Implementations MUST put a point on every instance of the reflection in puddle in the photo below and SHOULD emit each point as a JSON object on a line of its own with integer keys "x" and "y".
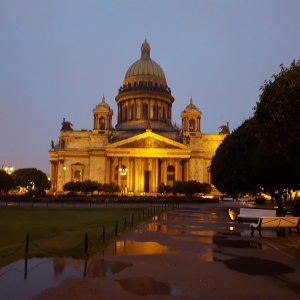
{"x": 145, "y": 285}
{"x": 257, "y": 266}
{"x": 205, "y": 240}
{"x": 163, "y": 228}
{"x": 135, "y": 248}
{"x": 167, "y": 217}
{"x": 105, "y": 268}
{"x": 205, "y": 235}
{"x": 25, "y": 279}
{"x": 224, "y": 242}
{"x": 208, "y": 256}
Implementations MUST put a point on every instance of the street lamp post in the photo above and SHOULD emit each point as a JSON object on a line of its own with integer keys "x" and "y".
{"x": 123, "y": 173}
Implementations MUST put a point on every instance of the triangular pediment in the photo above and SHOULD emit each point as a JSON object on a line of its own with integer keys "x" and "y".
{"x": 148, "y": 140}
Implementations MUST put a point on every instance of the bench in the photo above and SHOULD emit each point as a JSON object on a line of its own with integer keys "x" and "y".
{"x": 271, "y": 222}
{"x": 253, "y": 213}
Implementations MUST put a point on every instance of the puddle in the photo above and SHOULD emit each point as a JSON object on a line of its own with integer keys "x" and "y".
{"x": 205, "y": 257}
{"x": 163, "y": 228}
{"x": 105, "y": 268}
{"x": 167, "y": 217}
{"x": 25, "y": 279}
{"x": 143, "y": 286}
{"x": 135, "y": 248}
{"x": 257, "y": 267}
{"x": 222, "y": 241}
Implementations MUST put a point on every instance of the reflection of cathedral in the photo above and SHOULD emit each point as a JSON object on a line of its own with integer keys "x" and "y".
{"x": 145, "y": 148}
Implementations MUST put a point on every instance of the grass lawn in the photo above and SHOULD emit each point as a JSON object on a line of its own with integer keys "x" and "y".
{"x": 60, "y": 231}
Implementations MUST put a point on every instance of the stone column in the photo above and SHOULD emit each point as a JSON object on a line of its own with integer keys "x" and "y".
{"x": 131, "y": 174}
{"x": 155, "y": 175}
{"x": 119, "y": 175}
{"x": 108, "y": 170}
{"x": 164, "y": 171}
{"x": 188, "y": 170}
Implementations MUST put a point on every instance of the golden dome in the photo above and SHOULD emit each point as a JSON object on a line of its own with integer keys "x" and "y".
{"x": 145, "y": 70}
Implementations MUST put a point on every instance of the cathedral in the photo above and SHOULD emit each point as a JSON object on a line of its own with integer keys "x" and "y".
{"x": 145, "y": 148}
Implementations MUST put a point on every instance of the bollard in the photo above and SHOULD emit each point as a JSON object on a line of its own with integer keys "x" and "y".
{"x": 132, "y": 220}
{"x": 85, "y": 268}
{"x": 86, "y": 243}
{"x": 103, "y": 234}
{"x": 27, "y": 243}
{"x": 125, "y": 223}
{"x": 116, "y": 229}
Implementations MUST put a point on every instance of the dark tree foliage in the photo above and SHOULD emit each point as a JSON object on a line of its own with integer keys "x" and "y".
{"x": 161, "y": 188}
{"x": 111, "y": 188}
{"x": 6, "y": 182}
{"x": 191, "y": 187}
{"x": 87, "y": 186}
{"x": 34, "y": 180}
{"x": 264, "y": 151}
{"x": 277, "y": 114}
{"x": 232, "y": 168}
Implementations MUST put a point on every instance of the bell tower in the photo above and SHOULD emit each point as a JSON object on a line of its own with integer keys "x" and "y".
{"x": 191, "y": 122}
{"x": 102, "y": 117}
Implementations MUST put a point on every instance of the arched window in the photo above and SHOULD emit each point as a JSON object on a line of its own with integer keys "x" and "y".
{"x": 192, "y": 125}
{"x": 131, "y": 112}
{"x": 154, "y": 112}
{"x": 126, "y": 113}
{"x": 102, "y": 124}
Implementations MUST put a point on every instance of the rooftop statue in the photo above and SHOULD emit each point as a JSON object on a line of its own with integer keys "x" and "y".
{"x": 224, "y": 129}
{"x": 66, "y": 125}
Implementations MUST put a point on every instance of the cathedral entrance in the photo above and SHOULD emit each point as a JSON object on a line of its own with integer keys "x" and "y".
{"x": 147, "y": 182}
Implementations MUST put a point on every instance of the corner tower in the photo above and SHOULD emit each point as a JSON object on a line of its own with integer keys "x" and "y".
{"x": 144, "y": 100}
{"x": 102, "y": 117}
{"x": 191, "y": 122}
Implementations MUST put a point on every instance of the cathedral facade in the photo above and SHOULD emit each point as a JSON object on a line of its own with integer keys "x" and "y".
{"x": 144, "y": 149}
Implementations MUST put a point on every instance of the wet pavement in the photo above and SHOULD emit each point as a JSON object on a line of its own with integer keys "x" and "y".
{"x": 194, "y": 252}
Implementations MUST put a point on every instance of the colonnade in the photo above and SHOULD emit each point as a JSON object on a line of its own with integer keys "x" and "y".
{"x": 144, "y": 109}
{"x": 142, "y": 174}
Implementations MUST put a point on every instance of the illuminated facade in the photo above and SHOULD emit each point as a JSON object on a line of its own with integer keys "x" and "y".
{"x": 144, "y": 149}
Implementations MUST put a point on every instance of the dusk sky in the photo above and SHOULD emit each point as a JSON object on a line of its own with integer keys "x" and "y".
{"x": 59, "y": 57}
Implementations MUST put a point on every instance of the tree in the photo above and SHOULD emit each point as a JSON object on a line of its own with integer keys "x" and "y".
{"x": 34, "y": 180}
{"x": 71, "y": 186}
{"x": 190, "y": 187}
{"x": 6, "y": 182}
{"x": 111, "y": 188}
{"x": 232, "y": 167}
{"x": 277, "y": 114}
{"x": 161, "y": 188}
{"x": 87, "y": 186}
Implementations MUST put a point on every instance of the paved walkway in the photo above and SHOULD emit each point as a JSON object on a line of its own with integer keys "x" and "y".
{"x": 194, "y": 252}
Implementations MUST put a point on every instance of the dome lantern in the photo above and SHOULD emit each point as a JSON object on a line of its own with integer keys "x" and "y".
{"x": 145, "y": 50}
